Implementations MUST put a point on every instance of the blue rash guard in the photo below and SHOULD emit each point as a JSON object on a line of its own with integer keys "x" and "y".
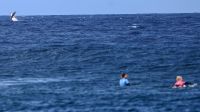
{"x": 124, "y": 82}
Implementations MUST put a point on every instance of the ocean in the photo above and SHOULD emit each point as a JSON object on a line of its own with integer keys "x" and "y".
{"x": 73, "y": 63}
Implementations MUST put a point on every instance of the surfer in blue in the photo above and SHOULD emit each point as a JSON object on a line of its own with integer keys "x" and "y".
{"x": 124, "y": 81}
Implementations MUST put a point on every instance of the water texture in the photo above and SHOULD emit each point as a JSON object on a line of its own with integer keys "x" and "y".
{"x": 73, "y": 63}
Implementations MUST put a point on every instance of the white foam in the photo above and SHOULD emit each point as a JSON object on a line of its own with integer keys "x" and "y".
{"x": 193, "y": 85}
{"x": 14, "y": 19}
{"x": 133, "y": 26}
{"x": 22, "y": 81}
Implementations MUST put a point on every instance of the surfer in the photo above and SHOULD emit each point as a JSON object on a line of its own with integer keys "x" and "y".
{"x": 180, "y": 83}
{"x": 124, "y": 81}
{"x": 13, "y": 17}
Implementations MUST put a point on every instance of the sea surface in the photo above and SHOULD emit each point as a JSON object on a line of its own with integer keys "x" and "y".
{"x": 73, "y": 63}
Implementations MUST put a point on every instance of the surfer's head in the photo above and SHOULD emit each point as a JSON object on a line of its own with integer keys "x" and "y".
{"x": 179, "y": 78}
{"x": 124, "y": 75}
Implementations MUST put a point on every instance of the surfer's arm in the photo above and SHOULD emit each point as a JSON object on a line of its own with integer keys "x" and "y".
{"x": 127, "y": 83}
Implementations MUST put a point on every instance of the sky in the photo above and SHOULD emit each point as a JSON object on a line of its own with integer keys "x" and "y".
{"x": 76, "y": 7}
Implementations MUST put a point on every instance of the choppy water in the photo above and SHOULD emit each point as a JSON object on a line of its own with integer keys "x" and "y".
{"x": 73, "y": 63}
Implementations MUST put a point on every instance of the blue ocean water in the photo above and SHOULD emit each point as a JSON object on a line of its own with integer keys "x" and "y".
{"x": 73, "y": 63}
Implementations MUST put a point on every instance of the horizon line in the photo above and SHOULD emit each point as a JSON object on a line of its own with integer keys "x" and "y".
{"x": 103, "y": 14}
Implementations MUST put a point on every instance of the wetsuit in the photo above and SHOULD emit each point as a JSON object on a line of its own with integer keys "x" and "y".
{"x": 124, "y": 82}
{"x": 188, "y": 83}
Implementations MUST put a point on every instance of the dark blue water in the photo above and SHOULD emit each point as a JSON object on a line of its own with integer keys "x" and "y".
{"x": 73, "y": 63}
